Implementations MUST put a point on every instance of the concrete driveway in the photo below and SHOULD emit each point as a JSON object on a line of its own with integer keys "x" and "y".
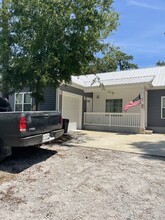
{"x": 151, "y": 144}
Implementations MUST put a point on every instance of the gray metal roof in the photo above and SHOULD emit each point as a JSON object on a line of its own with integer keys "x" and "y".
{"x": 154, "y": 76}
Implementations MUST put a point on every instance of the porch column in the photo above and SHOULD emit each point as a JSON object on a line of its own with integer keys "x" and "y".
{"x": 142, "y": 112}
{"x": 59, "y": 100}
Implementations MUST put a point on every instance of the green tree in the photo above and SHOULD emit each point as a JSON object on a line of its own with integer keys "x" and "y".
{"x": 112, "y": 60}
{"x": 124, "y": 61}
{"x": 160, "y": 63}
{"x": 54, "y": 39}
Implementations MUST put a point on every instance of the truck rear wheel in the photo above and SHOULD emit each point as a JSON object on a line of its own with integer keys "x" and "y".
{"x": 5, "y": 151}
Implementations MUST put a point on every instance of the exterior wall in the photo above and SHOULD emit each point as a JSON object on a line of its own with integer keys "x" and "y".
{"x": 11, "y": 100}
{"x": 126, "y": 94}
{"x": 50, "y": 100}
{"x": 48, "y": 105}
{"x": 154, "y": 111}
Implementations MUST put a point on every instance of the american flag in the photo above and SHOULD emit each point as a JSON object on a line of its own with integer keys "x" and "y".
{"x": 134, "y": 102}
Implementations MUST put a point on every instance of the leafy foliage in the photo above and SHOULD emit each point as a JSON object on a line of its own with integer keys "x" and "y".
{"x": 54, "y": 39}
{"x": 160, "y": 63}
{"x": 113, "y": 60}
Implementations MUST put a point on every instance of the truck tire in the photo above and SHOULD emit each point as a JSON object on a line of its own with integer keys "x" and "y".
{"x": 5, "y": 151}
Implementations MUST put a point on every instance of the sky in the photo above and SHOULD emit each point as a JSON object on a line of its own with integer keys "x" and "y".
{"x": 141, "y": 32}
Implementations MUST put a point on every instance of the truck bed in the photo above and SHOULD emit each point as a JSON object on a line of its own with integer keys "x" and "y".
{"x": 29, "y": 128}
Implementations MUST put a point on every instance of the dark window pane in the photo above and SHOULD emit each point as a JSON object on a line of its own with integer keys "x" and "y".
{"x": 27, "y": 98}
{"x": 114, "y": 105}
{"x": 18, "y": 107}
{"x": 163, "y": 112}
{"x": 18, "y": 98}
{"x": 27, "y": 107}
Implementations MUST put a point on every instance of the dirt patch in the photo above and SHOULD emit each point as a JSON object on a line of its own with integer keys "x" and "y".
{"x": 67, "y": 183}
{"x": 5, "y": 177}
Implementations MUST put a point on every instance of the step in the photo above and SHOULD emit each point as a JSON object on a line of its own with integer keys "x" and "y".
{"x": 144, "y": 131}
{"x": 148, "y": 132}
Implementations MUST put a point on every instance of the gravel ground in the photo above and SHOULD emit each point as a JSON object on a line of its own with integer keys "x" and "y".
{"x": 67, "y": 183}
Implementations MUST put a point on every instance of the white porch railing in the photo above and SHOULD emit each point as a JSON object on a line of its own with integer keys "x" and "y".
{"x": 112, "y": 119}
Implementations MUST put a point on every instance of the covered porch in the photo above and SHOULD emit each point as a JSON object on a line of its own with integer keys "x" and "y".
{"x": 104, "y": 110}
{"x": 105, "y": 96}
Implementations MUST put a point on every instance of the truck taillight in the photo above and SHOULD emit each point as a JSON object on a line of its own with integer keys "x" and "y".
{"x": 22, "y": 124}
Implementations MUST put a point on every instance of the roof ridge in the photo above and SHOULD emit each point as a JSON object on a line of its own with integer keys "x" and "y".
{"x": 123, "y": 78}
{"x": 129, "y": 77}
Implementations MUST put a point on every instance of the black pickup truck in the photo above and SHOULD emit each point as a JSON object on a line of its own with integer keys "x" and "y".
{"x": 22, "y": 129}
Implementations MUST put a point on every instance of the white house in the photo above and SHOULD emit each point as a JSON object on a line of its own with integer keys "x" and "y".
{"x": 96, "y": 101}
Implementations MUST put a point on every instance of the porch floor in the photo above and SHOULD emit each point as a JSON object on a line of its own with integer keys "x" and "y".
{"x": 147, "y": 144}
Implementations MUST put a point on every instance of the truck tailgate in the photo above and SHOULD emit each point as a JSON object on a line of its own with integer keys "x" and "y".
{"x": 29, "y": 128}
{"x": 42, "y": 122}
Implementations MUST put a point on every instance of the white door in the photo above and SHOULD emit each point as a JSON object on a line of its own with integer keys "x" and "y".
{"x": 72, "y": 110}
{"x": 89, "y": 105}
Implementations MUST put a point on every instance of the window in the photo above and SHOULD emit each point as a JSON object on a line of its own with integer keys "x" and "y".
{"x": 114, "y": 105}
{"x": 163, "y": 107}
{"x": 23, "y": 101}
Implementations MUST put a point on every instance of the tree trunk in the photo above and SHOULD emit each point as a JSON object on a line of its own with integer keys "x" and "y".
{"x": 5, "y": 47}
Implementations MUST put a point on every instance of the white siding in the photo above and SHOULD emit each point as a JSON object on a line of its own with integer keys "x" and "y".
{"x": 126, "y": 94}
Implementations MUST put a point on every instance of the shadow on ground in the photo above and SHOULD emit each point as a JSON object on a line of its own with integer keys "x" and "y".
{"x": 64, "y": 138}
{"x": 156, "y": 150}
{"x": 73, "y": 138}
{"x": 23, "y": 158}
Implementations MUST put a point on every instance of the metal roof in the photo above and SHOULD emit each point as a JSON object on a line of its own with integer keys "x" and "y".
{"x": 154, "y": 76}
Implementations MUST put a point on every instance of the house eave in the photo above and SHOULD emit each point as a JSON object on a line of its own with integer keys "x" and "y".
{"x": 119, "y": 86}
{"x": 78, "y": 86}
{"x": 157, "y": 88}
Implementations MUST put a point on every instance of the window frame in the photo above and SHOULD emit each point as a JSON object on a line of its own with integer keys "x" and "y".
{"x": 22, "y": 101}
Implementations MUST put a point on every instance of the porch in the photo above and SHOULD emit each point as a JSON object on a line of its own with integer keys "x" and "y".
{"x": 113, "y": 121}
{"x": 105, "y": 110}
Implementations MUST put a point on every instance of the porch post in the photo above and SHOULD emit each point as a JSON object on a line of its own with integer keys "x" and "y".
{"x": 142, "y": 113}
{"x": 57, "y": 99}
{"x": 110, "y": 120}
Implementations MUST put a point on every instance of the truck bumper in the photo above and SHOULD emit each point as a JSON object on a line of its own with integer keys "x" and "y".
{"x": 40, "y": 139}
